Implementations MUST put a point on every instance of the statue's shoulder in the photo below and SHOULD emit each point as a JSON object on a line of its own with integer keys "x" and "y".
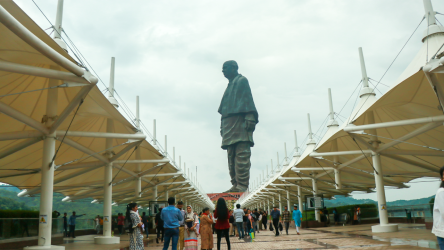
{"x": 242, "y": 79}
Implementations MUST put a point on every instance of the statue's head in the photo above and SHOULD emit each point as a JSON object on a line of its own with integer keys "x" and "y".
{"x": 230, "y": 69}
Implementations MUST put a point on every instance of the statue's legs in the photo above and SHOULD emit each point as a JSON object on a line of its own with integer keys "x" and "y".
{"x": 231, "y": 152}
{"x": 242, "y": 165}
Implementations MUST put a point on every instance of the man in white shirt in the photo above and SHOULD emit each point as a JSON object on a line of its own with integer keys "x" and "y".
{"x": 238, "y": 217}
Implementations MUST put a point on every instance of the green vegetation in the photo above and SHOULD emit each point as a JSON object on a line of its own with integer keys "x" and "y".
{"x": 367, "y": 211}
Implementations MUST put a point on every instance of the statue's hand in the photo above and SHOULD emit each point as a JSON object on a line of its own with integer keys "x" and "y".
{"x": 250, "y": 125}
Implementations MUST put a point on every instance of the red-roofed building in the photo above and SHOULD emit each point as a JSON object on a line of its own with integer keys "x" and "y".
{"x": 230, "y": 198}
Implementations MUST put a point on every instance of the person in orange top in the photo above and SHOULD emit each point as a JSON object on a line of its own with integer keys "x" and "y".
{"x": 206, "y": 231}
{"x": 222, "y": 225}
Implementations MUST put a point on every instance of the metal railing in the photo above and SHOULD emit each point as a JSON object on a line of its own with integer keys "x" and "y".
{"x": 28, "y": 227}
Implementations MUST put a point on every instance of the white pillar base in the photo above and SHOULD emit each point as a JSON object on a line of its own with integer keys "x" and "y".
{"x": 385, "y": 228}
{"x": 52, "y": 247}
{"x": 105, "y": 240}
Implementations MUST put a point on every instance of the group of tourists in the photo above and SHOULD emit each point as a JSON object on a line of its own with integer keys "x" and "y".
{"x": 69, "y": 223}
{"x": 285, "y": 217}
{"x": 182, "y": 227}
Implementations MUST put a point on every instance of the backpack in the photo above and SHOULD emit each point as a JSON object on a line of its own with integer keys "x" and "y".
{"x": 271, "y": 227}
{"x": 101, "y": 221}
{"x": 128, "y": 225}
{"x": 254, "y": 217}
{"x": 159, "y": 221}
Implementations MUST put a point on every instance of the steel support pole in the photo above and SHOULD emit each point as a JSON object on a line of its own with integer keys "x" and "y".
{"x": 315, "y": 193}
{"x": 273, "y": 202}
{"x": 47, "y": 172}
{"x": 107, "y": 237}
{"x": 154, "y": 199}
{"x": 108, "y": 189}
{"x": 280, "y": 201}
{"x": 288, "y": 200}
{"x": 380, "y": 192}
{"x": 46, "y": 197}
{"x": 300, "y": 199}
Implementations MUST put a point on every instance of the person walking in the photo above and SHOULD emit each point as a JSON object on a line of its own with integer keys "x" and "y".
{"x": 222, "y": 224}
{"x": 65, "y": 225}
{"x": 260, "y": 220}
{"x": 249, "y": 223}
{"x": 97, "y": 221}
{"x": 297, "y": 217}
{"x": 145, "y": 223}
{"x": 181, "y": 242}
{"x": 255, "y": 216}
{"x": 358, "y": 213}
{"x": 238, "y": 217}
{"x": 355, "y": 215}
{"x": 286, "y": 218}
{"x": 206, "y": 235}
{"x": 336, "y": 216}
{"x": 159, "y": 226}
{"x": 136, "y": 234}
{"x": 438, "y": 212}
{"x": 191, "y": 229}
{"x": 214, "y": 223}
{"x": 244, "y": 222}
{"x": 232, "y": 223}
{"x": 275, "y": 216}
{"x": 120, "y": 222}
{"x": 265, "y": 219}
{"x": 171, "y": 217}
{"x": 72, "y": 224}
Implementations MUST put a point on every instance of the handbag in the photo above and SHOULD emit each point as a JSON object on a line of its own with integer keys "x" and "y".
{"x": 280, "y": 227}
{"x": 252, "y": 233}
{"x": 271, "y": 227}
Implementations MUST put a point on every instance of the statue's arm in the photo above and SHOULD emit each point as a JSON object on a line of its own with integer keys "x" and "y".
{"x": 250, "y": 122}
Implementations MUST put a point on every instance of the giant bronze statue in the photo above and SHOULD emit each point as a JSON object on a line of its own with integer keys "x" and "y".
{"x": 239, "y": 119}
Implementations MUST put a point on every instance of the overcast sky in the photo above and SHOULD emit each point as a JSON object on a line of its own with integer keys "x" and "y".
{"x": 171, "y": 54}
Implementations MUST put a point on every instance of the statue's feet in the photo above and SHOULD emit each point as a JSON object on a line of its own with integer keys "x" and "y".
{"x": 237, "y": 189}
{"x": 233, "y": 189}
{"x": 241, "y": 188}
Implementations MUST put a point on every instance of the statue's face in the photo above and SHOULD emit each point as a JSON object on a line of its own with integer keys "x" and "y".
{"x": 228, "y": 70}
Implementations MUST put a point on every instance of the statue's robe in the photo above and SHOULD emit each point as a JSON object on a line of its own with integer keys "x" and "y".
{"x": 236, "y": 107}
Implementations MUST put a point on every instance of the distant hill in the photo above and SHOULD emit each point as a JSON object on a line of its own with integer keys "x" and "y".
{"x": 9, "y": 188}
{"x": 10, "y": 200}
{"x": 425, "y": 200}
{"x": 340, "y": 200}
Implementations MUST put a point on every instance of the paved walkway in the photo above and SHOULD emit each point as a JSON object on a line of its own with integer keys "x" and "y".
{"x": 357, "y": 237}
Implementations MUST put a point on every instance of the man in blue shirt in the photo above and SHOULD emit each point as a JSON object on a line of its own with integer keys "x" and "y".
{"x": 297, "y": 217}
{"x": 171, "y": 217}
{"x": 238, "y": 216}
{"x": 275, "y": 214}
{"x": 72, "y": 224}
